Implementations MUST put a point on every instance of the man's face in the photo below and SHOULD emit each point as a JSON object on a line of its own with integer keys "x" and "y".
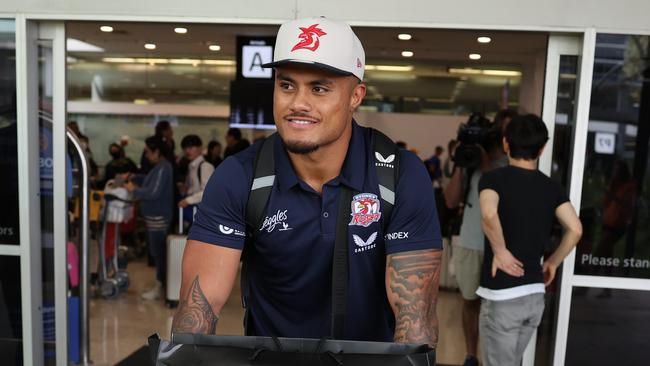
{"x": 192, "y": 152}
{"x": 313, "y": 108}
{"x": 152, "y": 156}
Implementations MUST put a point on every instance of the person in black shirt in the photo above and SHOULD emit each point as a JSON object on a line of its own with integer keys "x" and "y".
{"x": 235, "y": 142}
{"x": 119, "y": 164}
{"x": 214, "y": 153}
{"x": 518, "y": 207}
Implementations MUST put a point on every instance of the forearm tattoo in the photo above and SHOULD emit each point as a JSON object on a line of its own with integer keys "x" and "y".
{"x": 195, "y": 314}
{"x": 413, "y": 285}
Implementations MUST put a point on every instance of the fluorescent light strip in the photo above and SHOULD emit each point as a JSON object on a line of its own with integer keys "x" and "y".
{"x": 389, "y": 68}
{"x": 175, "y": 61}
{"x": 469, "y": 71}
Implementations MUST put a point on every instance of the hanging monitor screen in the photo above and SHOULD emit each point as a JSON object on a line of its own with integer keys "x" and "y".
{"x": 251, "y": 93}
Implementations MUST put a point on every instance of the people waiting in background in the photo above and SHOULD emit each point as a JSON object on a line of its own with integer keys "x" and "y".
{"x": 401, "y": 145}
{"x": 235, "y": 142}
{"x": 165, "y": 134}
{"x": 156, "y": 199}
{"x": 198, "y": 174}
{"x": 434, "y": 165}
{"x": 214, "y": 153}
{"x": 119, "y": 163}
{"x": 448, "y": 166}
{"x": 94, "y": 169}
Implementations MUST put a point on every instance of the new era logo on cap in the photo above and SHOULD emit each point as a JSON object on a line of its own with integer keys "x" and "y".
{"x": 321, "y": 42}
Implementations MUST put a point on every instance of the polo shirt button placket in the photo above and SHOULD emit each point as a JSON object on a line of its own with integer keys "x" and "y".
{"x": 326, "y": 214}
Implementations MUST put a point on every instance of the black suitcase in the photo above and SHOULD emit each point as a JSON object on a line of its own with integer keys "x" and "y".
{"x": 209, "y": 350}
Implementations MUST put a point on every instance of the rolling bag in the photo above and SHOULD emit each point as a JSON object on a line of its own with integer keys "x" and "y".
{"x": 175, "y": 249}
{"x": 208, "y": 350}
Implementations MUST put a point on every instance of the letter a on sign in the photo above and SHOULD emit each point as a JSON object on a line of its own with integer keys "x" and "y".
{"x": 253, "y": 57}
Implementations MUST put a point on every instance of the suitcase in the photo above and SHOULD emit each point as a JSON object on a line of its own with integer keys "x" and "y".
{"x": 175, "y": 248}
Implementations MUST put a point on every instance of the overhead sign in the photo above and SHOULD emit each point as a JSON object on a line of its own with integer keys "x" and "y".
{"x": 252, "y": 53}
{"x": 605, "y": 143}
{"x": 253, "y": 57}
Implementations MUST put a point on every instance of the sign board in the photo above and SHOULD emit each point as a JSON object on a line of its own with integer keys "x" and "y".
{"x": 605, "y": 143}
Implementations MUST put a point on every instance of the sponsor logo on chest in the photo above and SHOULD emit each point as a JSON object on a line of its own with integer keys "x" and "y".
{"x": 278, "y": 219}
{"x": 385, "y": 162}
{"x": 364, "y": 245}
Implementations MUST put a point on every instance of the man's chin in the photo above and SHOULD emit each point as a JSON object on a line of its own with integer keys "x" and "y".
{"x": 300, "y": 147}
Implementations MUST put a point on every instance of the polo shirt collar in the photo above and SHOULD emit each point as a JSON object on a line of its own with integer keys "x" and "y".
{"x": 353, "y": 171}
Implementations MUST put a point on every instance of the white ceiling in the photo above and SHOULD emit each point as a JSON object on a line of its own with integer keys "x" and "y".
{"x": 434, "y": 52}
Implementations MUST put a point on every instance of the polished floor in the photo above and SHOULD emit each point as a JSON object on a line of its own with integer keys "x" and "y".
{"x": 121, "y": 326}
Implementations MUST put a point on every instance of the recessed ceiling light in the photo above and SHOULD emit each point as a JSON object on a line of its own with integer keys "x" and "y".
{"x": 150, "y": 46}
{"x": 404, "y": 37}
{"x": 474, "y": 56}
{"x": 214, "y": 47}
{"x": 407, "y": 53}
{"x": 180, "y": 30}
{"x": 484, "y": 39}
{"x": 106, "y": 28}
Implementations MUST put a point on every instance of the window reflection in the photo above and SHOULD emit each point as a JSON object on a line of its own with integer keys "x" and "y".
{"x": 615, "y": 192}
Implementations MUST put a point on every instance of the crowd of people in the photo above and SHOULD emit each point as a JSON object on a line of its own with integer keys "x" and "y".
{"x": 164, "y": 185}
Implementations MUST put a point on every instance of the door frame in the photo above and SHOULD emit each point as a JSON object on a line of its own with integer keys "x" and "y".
{"x": 27, "y": 32}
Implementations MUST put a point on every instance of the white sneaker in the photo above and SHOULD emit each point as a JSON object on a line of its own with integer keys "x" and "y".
{"x": 154, "y": 294}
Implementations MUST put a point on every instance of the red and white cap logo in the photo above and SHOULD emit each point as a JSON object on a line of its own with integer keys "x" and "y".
{"x": 309, "y": 38}
{"x": 326, "y": 44}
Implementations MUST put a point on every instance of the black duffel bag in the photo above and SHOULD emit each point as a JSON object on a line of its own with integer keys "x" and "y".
{"x": 209, "y": 350}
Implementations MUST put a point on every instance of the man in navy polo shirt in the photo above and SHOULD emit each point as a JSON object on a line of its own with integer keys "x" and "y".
{"x": 392, "y": 274}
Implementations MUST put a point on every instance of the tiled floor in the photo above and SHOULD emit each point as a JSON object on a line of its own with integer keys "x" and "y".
{"x": 119, "y": 327}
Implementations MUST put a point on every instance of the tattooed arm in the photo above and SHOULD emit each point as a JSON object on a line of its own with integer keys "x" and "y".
{"x": 209, "y": 272}
{"x": 412, "y": 288}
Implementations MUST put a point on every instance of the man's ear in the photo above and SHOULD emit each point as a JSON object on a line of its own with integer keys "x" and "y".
{"x": 358, "y": 93}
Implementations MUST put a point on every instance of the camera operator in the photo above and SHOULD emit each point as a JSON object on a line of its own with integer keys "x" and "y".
{"x": 478, "y": 151}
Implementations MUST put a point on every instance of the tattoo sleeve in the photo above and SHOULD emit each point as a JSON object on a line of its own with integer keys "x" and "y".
{"x": 412, "y": 288}
{"x": 195, "y": 314}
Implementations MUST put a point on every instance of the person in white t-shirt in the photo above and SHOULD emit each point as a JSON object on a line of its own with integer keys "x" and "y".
{"x": 199, "y": 171}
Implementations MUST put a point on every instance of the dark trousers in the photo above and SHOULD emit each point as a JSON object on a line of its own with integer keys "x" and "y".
{"x": 157, "y": 237}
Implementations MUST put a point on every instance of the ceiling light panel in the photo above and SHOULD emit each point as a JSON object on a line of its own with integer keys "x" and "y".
{"x": 404, "y": 37}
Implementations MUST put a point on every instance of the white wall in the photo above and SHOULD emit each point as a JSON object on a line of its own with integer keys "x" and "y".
{"x": 420, "y": 131}
{"x": 629, "y": 15}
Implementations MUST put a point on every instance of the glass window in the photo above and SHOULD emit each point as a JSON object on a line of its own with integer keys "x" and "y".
{"x": 8, "y": 150}
{"x": 11, "y": 323}
{"x": 615, "y": 193}
{"x": 608, "y": 327}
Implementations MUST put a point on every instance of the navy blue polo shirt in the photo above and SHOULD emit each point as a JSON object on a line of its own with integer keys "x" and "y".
{"x": 291, "y": 268}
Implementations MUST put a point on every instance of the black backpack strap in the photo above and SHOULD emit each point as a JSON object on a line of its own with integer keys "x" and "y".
{"x": 260, "y": 191}
{"x": 340, "y": 263}
{"x": 386, "y": 156}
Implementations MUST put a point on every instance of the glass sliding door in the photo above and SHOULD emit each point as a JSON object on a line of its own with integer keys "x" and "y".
{"x": 11, "y": 320}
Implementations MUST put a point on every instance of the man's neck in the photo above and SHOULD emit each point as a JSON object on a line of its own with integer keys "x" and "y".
{"x": 524, "y": 164}
{"x": 324, "y": 164}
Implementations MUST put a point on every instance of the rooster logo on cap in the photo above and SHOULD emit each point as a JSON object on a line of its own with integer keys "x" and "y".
{"x": 309, "y": 38}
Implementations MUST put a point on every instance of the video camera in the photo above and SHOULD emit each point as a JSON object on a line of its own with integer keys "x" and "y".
{"x": 478, "y": 132}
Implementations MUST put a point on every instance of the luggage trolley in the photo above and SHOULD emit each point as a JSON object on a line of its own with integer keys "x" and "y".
{"x": 117, "y": 209}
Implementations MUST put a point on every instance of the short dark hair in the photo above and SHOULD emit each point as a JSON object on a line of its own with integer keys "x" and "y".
{"x": 191, "y": 141}
{"x": 235, "y": 133}
{"x": 161, "y": 127}
{"x": 154, "y": 143}
{"x": 526, "y": 136}
{"x": 439, "y": 148}
{"x": 212, "y": 144}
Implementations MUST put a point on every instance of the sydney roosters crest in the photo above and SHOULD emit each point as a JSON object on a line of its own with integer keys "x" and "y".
{"x": 365, "y": 209}
{"x": 309, "y": 38}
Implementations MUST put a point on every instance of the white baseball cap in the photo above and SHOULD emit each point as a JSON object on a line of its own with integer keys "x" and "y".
{"x": 325, "y": 43}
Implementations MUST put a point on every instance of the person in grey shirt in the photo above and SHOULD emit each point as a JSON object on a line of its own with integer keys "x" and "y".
{"x": 156, "y": 196}
{"x": 467, "y": 255}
